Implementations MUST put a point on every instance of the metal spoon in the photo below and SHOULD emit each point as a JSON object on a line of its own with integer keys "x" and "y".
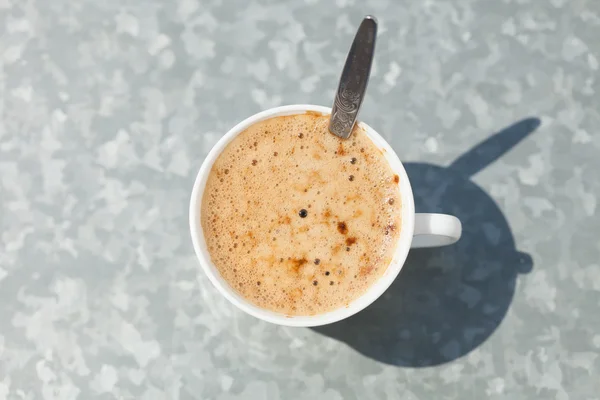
{"x": 354, "y": 79}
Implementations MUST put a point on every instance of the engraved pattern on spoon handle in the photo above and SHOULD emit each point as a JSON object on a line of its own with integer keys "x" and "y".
{"x": 353, "y": 81}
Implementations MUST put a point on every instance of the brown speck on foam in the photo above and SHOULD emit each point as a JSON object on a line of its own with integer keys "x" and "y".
{"x": 297, "y": 263}
{"x": 342, "y": 228}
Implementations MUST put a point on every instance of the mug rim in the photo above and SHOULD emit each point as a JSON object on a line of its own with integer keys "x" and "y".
{"x": 358, "y": 304}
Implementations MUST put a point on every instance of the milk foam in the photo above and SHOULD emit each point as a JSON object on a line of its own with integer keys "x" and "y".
{"x": 297, "y": 220}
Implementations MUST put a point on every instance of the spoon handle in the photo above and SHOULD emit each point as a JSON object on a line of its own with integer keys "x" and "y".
{"x": 354, "y": 79}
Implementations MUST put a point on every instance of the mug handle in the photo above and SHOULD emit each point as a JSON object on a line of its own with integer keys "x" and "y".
{"x": 433, "y": 230}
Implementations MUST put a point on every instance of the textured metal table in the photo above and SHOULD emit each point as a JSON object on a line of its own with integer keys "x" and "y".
{"x": 109, "y": 107}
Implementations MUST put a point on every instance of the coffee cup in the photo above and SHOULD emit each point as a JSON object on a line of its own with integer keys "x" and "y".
{"x": 417, "y": 230}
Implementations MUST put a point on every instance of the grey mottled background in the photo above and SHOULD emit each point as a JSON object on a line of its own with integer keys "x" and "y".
{"x": 107, "y": 109}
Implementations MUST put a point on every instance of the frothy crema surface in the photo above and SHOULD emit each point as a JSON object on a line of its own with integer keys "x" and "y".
{"x": 297, "y": 220}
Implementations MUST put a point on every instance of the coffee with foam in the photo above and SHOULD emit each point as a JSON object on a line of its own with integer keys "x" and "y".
{"x": 298, "y": 221}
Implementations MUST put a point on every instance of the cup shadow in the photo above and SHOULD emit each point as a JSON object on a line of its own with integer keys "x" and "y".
{"x": 446, "y": 301}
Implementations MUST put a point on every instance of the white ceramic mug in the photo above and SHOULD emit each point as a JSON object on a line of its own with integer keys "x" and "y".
{"x": 417, "y": 230}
